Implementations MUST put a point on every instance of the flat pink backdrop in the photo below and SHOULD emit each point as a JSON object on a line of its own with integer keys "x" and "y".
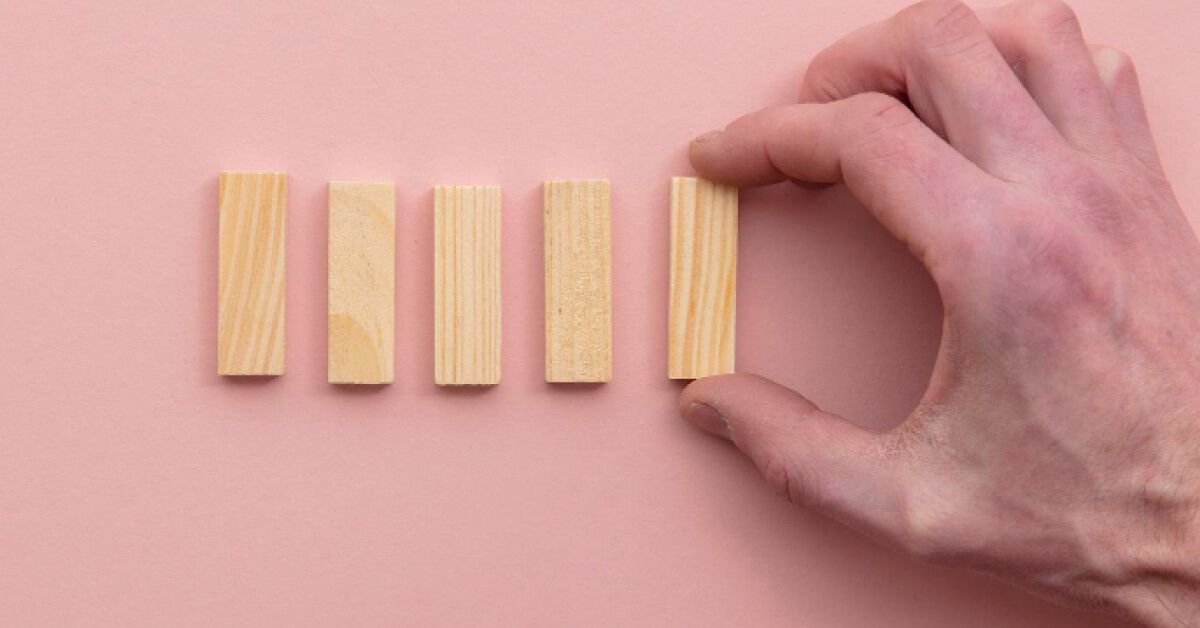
{"x": 139, "y": 489}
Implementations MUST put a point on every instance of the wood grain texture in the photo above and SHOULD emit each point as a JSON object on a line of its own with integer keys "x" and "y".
{"x": 251, "y": 285}
{"x": 704, "y": 225}
{"x": 577, "y": 223}
{"x": 466, "y": 281}
{"x": 362, "y": 282}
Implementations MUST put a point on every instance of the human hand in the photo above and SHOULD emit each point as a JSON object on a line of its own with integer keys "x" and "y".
{"x": 1058, "y": 443}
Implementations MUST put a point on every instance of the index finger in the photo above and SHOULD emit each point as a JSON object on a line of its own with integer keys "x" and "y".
{"x": 939, "y": 56}
{"x": 915, "y": 183}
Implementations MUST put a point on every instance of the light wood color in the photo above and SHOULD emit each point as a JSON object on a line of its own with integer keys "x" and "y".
{"x": 362, "y": 282}
{"x": 577, "y": 245}
{"x": 466, "y": 284}
{"x": 251, "y": 279}
{"x": 704, "y": 226}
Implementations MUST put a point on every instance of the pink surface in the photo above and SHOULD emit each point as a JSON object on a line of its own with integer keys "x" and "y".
{"x": 137, "y": 488}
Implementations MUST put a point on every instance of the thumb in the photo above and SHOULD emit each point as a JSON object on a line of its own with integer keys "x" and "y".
{"x": 814, "y": 458}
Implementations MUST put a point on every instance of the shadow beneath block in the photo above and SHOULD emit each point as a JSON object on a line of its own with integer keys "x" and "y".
{"x": 577, "y": 387}
{"x": 359, "y": 390}
{"x": 468, "y": 390}
{"x": 249, "y": 381}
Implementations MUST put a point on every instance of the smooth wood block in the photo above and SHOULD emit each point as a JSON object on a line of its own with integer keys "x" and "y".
{"x": 251, "y": 283}
{"x": 704, "y": 224}
{"x": 362, "y": 282}
{"x": 466, "y": 284}
{"x": 578, "y": 254}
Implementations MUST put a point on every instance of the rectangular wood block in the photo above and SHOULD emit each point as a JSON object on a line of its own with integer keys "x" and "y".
{"x": 251, "y": 279}
{"x": 578, "y": 255}
{"x": 466, "y": 284}
{"x": 704, "y": 226}
{"x": 362, "y": 282}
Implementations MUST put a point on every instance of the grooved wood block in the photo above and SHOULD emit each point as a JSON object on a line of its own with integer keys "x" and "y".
{"x": 362, "y": 282}
{"x": 704, "y": 222}
{"x": 578, "y": 253}
{"x": 251, "y": 279}
{"x": 466, "y": 284}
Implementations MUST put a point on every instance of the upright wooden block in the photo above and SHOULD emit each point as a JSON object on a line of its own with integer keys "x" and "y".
{"x": 251, "y": 283}
{"x": 704, "y": 222}
{"x": 466, "y": 284}
{"x": 362, "y": 282}
{"x": 578, "y": 254}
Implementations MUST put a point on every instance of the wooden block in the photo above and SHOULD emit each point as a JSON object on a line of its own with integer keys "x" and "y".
{"x": 704, "y": 222}
{"x": 251, "y": 283}
{"x": 466, "y": 284}
{"x": 578, "y": 253}
{"x": 362, "y": 282}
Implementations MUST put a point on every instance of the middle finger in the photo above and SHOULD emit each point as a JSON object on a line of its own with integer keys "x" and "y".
{"x": 938, "y": 55}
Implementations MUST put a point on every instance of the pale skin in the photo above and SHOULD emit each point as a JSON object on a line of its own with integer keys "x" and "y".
{"x": 1058, "y": 442}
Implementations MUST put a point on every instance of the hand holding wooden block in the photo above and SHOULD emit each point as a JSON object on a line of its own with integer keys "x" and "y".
{"x": 251, "y": 285}
{"x": 362, "y": 282}
{"x": 578, "y": 257}
{"x": 466, "y": 284}
{"x": 704, "y": 221}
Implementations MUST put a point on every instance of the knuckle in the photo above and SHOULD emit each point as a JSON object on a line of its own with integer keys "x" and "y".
{"x": 787, "y": 480}
{"x": 929, "y": 534}
{"x": 1095, "y": 198}
{"x": 880, "y": 112}
{"x": 1054, "y": 17}
{"x": 1120, "y": 58}
{"x": 945, "y": 28}
{"x": 935, "y": 521}
{"x": 931, "y": 16}
{"x": 880, "y": 122}
{"x": 825, "y": 78}
{"x": 828, "y": 85}
{"x": 1055, "y": 272}
{"x": 1116, "y": 67}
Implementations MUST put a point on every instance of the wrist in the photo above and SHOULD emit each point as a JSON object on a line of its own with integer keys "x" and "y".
{"x": 1157, "y": 551}
{"x": 1161, "y": 583}
{"x": 1165, "y": 600}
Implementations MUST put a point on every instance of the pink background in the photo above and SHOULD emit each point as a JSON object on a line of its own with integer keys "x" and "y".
{"x": 137, "y": 488}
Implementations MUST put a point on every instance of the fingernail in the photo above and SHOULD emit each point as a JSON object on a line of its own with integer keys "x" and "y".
{"x": 707, "y": 136}
{"x": 708, "y": 420}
